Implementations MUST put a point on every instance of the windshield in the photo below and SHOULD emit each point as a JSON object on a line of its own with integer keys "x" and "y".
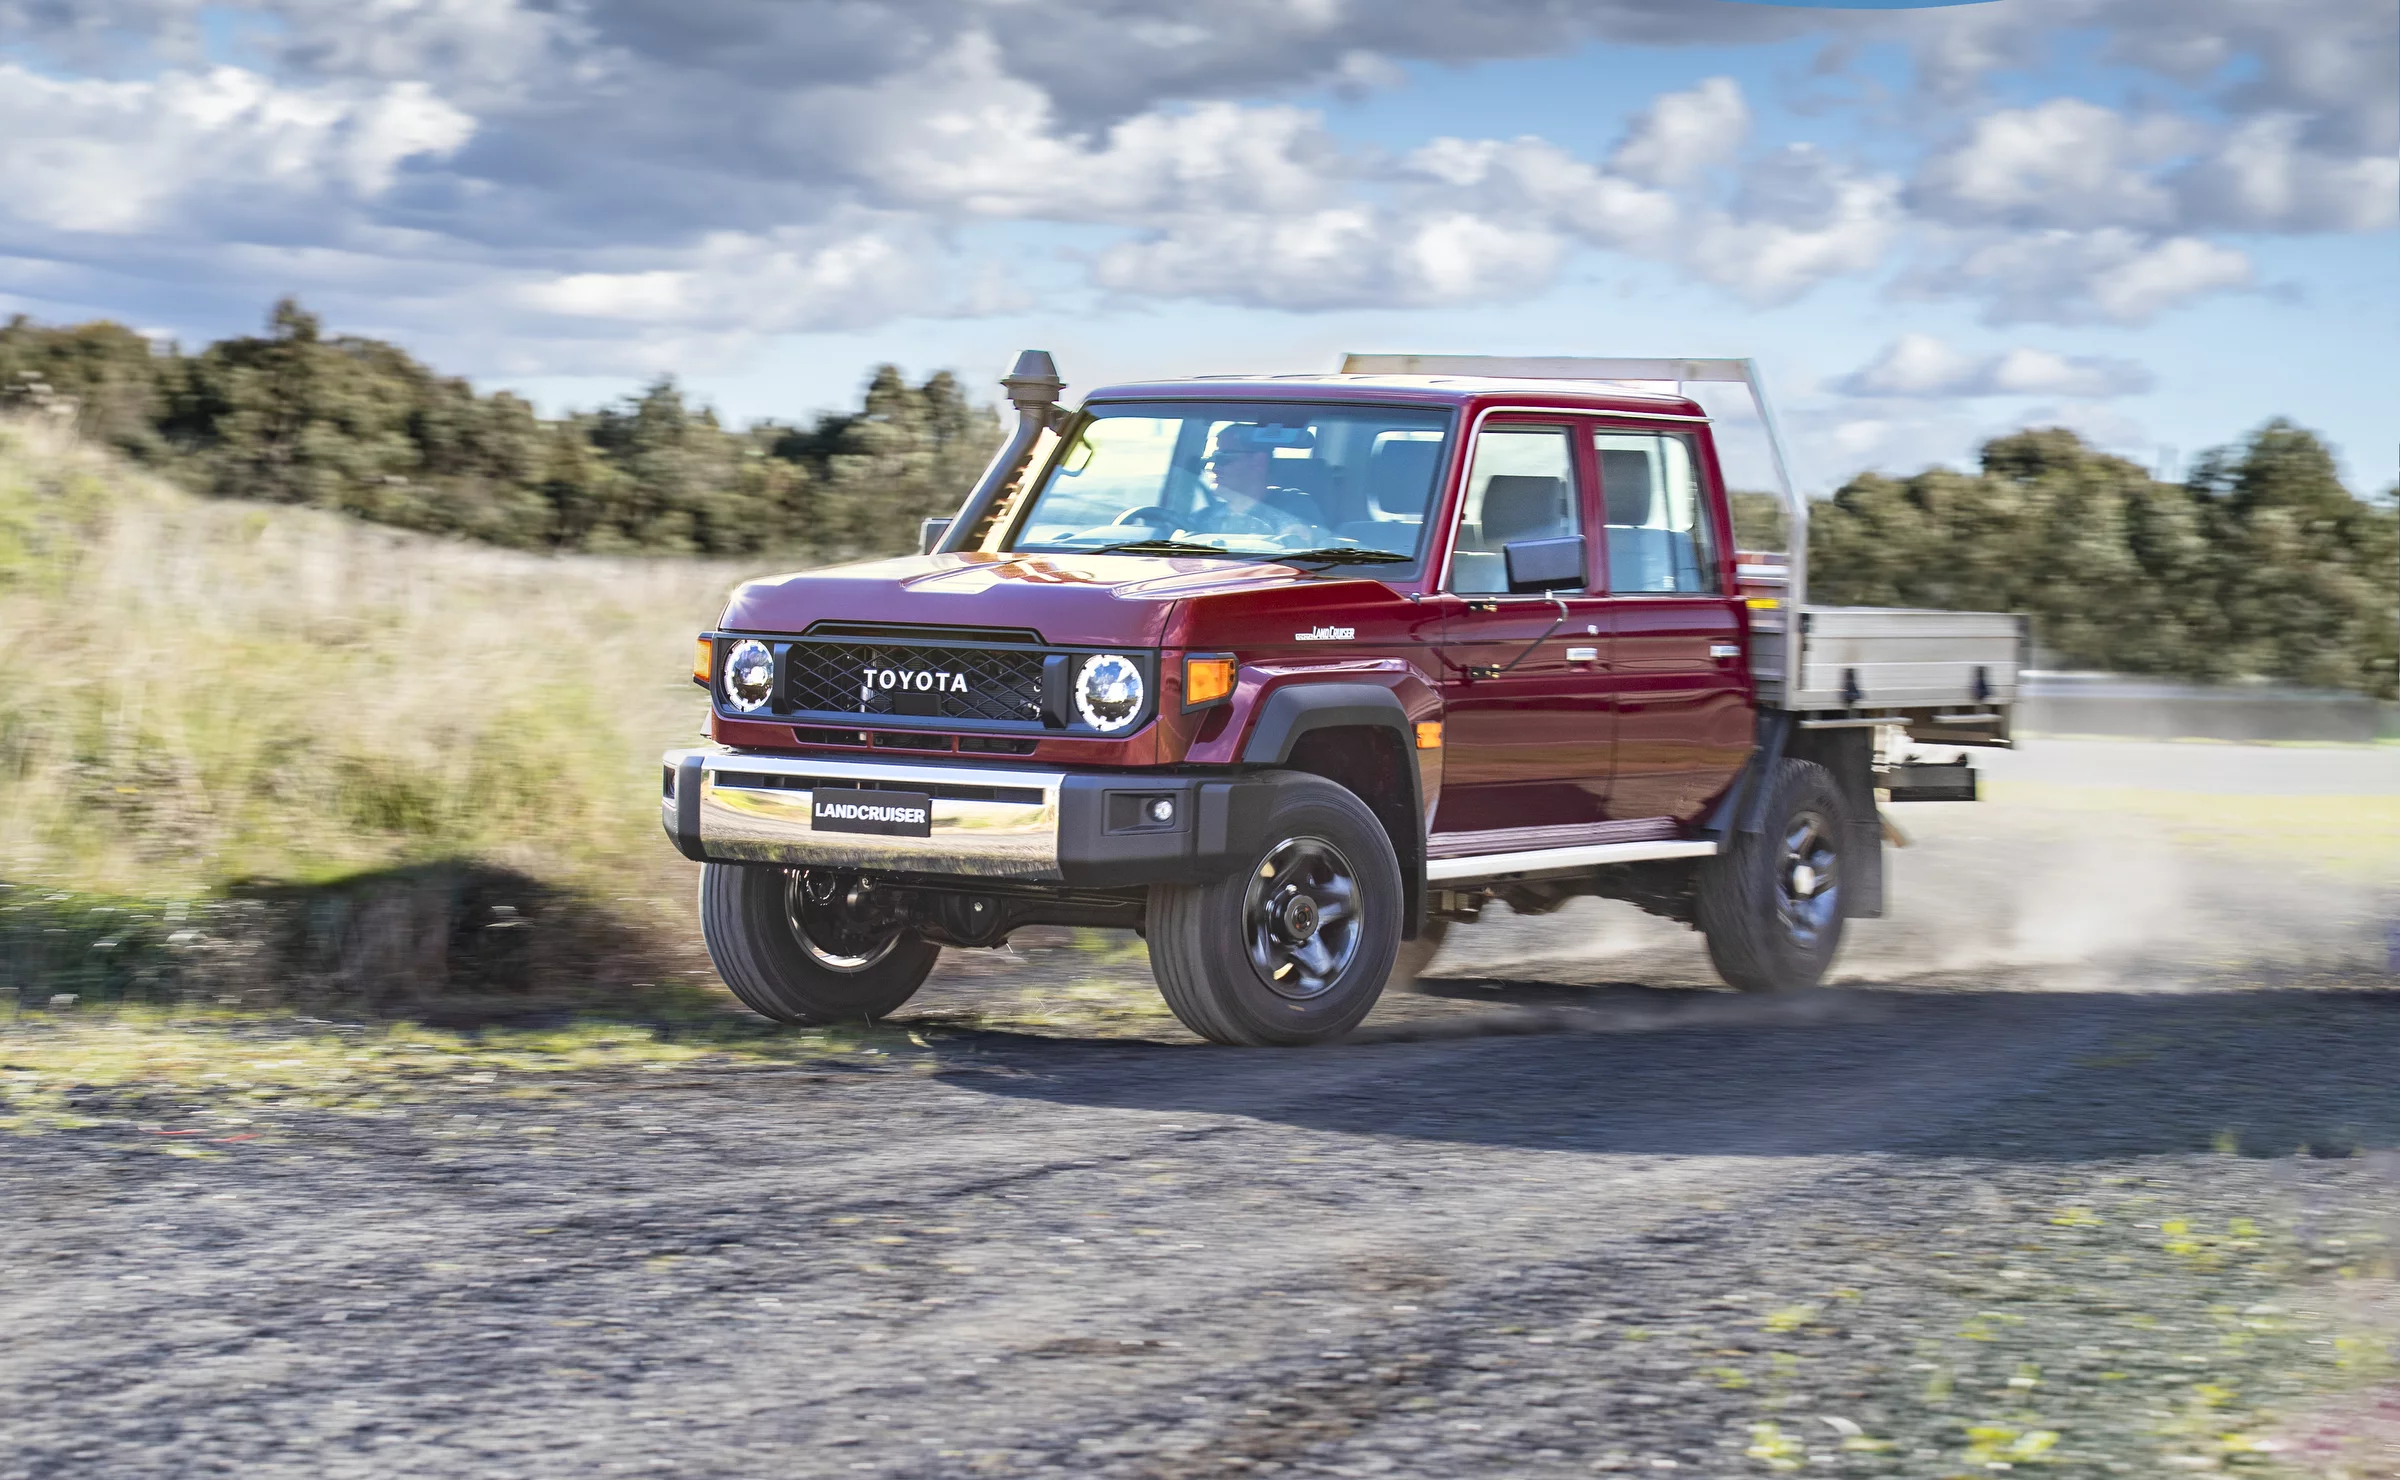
{"x": 1262, "y": 478}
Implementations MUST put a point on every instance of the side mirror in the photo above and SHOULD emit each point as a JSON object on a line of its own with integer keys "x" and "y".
{"x": 1544, "y": 565}
{"x": 929, "y": 534}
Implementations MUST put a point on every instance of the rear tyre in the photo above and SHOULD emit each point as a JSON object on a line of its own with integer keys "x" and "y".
{"x": 1770, "y": 904}
{"x": 1293, "y": 947}
{"x": 798, "y": 946}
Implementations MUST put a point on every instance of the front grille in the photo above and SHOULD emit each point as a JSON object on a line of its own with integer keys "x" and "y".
{"x": 975, "y": 685}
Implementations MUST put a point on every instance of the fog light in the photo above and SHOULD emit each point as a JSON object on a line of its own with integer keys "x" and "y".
{"x": 749, "y": 675}
{"x": 1163, "y": 810}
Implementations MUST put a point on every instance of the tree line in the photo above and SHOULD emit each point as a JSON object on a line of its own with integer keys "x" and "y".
{"x": 358, "y": 425}
{"x": 2260, "y": 563}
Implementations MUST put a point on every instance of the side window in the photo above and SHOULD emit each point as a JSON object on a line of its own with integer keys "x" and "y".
{"x": 1658, "y": 527}
{"x": 1521, "y": 486}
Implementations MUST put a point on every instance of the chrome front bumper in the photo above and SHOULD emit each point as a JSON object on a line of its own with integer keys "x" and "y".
{"x": 988, "y": 821}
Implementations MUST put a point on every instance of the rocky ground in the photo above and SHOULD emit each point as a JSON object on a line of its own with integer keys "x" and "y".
{"x": 2008, "y": 1195}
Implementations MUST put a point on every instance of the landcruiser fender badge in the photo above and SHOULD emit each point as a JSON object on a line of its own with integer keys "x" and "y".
{"x": 1326, "y": 634}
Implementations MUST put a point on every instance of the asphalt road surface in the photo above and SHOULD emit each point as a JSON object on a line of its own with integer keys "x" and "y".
{"x": 2080, "y": 1165}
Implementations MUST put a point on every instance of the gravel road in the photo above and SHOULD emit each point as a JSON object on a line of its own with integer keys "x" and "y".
{"x": 2002, "y": 1196}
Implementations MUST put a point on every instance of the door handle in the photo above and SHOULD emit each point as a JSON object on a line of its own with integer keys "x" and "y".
{"x": 1583, "y": 655}
{"x": 1723, "y": 650}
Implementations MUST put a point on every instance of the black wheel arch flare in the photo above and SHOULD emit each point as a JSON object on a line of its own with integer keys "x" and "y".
{"x": 1296, "y": 710}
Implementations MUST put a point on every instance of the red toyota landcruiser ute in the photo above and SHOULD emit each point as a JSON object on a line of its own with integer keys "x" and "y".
{"x": 1291, "y": 673}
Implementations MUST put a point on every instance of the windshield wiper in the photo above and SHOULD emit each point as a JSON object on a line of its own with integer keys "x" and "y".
{"x": 1154, "y": 547}
{"x": 1344, "y": 555}
{"x": 1331, "y": 555}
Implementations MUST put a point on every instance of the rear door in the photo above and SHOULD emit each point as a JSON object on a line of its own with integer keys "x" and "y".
{"x": 1678, "y": 670}
{"x": 1527, "y": 735}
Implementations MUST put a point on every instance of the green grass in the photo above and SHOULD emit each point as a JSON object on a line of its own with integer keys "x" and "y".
{"x": 236, "y": 1070}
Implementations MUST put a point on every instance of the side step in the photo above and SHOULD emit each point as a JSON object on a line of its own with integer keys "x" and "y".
{"x": 1531, "y": 861}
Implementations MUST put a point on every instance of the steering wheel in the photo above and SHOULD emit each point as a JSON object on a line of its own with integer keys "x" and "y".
{"x": 1153, "y": 514}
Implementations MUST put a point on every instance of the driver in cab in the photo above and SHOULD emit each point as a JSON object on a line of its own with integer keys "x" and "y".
{"x": 1238, "y": 470}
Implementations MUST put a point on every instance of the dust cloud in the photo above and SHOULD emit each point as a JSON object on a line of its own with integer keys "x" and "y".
{"x": 2072, "y": 874}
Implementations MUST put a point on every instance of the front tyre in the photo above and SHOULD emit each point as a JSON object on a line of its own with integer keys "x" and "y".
{"x": 804, "y": 947}
{"x": 1294, "y": 946}
{"x": 1770, "y": 904}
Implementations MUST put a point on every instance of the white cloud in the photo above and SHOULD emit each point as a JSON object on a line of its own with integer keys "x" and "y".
{"x": 2112, "y": 275}
{"x": 1489, "y": 219}
{"x": 484, "y": 51}
{"x": 1799, "y": 218}
{"x": 405, "y": 121}
{"x": 648, "y": 163}
{"x": 122, "y": 157}
{"x": 962, "y": 137}
{"x": 1534, "y": 182}
{"x": 2069, "y": 163}
{"x": 1341, "y": 257}
{"x": 1802, "y": 220}
{"x": 2140, "y": 285}
{"x": 2327, "y": 60}
{"x": 778, "y": 282}
{"x": 2065, "y": 162}
{"x": 2265, "y": 178}
{"x": 1682, "y": 135}
{"x": 1922, "y": 366}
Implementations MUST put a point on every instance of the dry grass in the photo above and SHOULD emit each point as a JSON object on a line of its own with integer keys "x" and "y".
{"x": 2353, "y": 838}
{"x": 195, "y": 692}
{"x": 201, "y": 699}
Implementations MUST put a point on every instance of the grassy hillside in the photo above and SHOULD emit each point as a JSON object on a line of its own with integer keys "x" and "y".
{"x": 202, "y": 700}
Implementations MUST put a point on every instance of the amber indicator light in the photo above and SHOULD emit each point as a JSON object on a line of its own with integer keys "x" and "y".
{"x": 702, "y": 661}
{"x": 1429, "y": 734}
{"x": 1206, "y": 679}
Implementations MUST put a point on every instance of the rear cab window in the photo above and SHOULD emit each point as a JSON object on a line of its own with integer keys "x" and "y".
{"x": 1656, "y": 521}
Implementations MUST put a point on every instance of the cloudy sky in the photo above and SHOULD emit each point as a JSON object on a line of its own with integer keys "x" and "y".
{"x": 2158, "y": 221}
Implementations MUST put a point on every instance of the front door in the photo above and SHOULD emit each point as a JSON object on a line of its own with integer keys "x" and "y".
{"x": 1527, "y": 732}
{"x": 1677, "y": 654}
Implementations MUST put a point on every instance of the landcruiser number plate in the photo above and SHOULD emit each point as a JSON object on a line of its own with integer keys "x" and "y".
{"x": 896, "y": 814}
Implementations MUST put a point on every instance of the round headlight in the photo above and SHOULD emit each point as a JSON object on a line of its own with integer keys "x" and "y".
{"x": 749, "y": 675}
{"x": 1110, "y": 691}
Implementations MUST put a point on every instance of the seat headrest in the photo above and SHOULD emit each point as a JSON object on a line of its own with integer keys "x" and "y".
{"x": 1625, "y": 486}
{"x": 1400, "y": 476}
{"x": 1518, "y": 506}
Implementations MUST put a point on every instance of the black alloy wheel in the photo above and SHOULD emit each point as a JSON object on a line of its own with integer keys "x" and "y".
{"x": 1294, "y": 945}
{"x": 1808, "y": 884}
{"x": 834, "y": 921}
{"x": 1300, "y": 916}
{"x": 1770, "y": 902}
{"x": 806, "y": 946}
